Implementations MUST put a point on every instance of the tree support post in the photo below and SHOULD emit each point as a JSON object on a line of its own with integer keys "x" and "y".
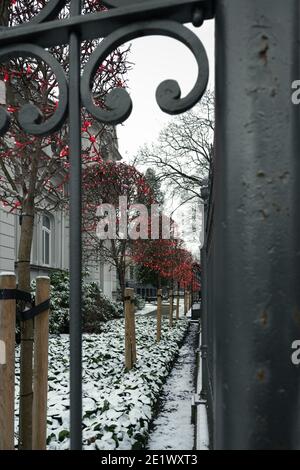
{"x": 159, "y": 302}
{"x": 7, "y": 363}
{"x": 130, "y": 351}
{"x": 40, "y": 370}
{"x": 185, "y": 302}
{"x": 171, "y": 301}
{"x": 133, "y": 330}
{"x": 177, "y": 304}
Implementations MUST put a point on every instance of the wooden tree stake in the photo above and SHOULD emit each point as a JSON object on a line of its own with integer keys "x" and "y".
{"x": 132, "y": 332}
{"x": 171, "y": 308}
{"x": 40, "y": 371}
{"x": 185, "y": 302}
{"x": 177, "y": 305}
{"x": 7, "y": 363}
{"x": 128, "y": 295}
{"x": 159, "y": 302}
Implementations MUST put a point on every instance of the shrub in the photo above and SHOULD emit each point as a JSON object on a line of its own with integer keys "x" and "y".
{"x": 59, "y": 302}
{"x": 97, "y": 308}
{"x": 139, "y": 302}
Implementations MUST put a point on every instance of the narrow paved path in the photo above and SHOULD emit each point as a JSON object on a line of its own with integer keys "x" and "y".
{"x": 172, "y": 429}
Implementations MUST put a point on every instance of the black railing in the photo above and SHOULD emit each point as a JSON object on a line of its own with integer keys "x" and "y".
{"x": 208, "y": 293}
{"x": 251, "y": 257}
{"x": 251, "y": 298}
{"x": 123, "y": 21}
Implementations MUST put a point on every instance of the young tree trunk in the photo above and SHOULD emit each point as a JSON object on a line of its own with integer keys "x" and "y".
{"x": 4, "y": 12}
{"x": 121, "y": 277}
{"x": 23, "y": 267}
{"x": 159, "y": 281}
{"x": 26, "y": 356}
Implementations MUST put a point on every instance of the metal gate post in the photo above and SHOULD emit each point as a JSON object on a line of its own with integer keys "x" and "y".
{"x": 257, "y": 224}
{"x": 75, "y": 237}
{"x": 204, "y": 332}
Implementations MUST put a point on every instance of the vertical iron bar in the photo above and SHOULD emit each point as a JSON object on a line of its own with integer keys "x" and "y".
{"x": 204, "y": 332}
{"x": 75, "y": 237}
{"x": 257, "y": 225}
{"x": 209, "y": 291}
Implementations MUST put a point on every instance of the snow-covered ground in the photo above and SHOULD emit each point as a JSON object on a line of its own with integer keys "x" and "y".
{"x": 150, "y": 308}
{"x": 202, "y": 428}
{"x": 202, "y": 442}
{"x": 117, "y": 405}
{"x": 172, "y": 429}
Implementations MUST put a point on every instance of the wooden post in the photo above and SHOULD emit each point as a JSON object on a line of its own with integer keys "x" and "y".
{"x": 7, "y": 364}
{"x": 171, "y": 308}
{"x": 128, "y": 295}
{"x": 40, "y": 371}
{"x": 132, "y": 331}
{"x": 159, "y": 301}
{"x": 185, "y": 302}
{"x": 177, "y": 304}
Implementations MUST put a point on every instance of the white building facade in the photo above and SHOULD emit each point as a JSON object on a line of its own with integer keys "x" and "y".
{"x": 50, "y": 247}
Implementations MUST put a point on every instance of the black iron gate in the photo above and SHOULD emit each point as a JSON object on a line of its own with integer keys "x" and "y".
{"x": 124, "y": 21}
{"x": 251, "y": 258}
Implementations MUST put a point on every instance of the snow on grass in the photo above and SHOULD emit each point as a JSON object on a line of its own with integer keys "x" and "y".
{"x": 117, "y": 404}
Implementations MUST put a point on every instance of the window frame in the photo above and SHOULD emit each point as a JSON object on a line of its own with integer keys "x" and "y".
{"x": 46, "y": 232}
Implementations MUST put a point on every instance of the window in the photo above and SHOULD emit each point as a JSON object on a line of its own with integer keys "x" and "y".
{"x": 2, "y": 92}
{"x": 46, "y": 240}
{"x": 131, "y": 273}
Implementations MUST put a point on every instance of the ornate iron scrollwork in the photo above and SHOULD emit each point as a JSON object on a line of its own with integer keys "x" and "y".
{"x": 123, "y": 21}
{"x": 118, "y": 103}
{"x": 120, "y": 3}
{"x": 49, "y": 12}
{"x": 168, "y": 93}
{"x": 30, "y": 117}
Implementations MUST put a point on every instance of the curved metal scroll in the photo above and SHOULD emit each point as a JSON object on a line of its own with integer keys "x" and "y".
{"x": 30, "y": 117}
{"x": 168, "y": 94}
{"x": 121, "y": 3}
{"x": 49, "y": 12}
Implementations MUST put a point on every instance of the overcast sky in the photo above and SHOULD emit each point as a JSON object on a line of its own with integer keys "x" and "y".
{"x": 156, "y": 59}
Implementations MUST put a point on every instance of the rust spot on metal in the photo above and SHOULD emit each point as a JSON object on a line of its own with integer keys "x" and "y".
{"x": 284, "y": 176}
{"x": 264, "y": 318}
{"x": 296, "y": 316}
{"x": 264, "y": 213}
{"x": 263, "y": 53}
{"x": 276, "y": 207}
{"x": 261, "y": 375}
